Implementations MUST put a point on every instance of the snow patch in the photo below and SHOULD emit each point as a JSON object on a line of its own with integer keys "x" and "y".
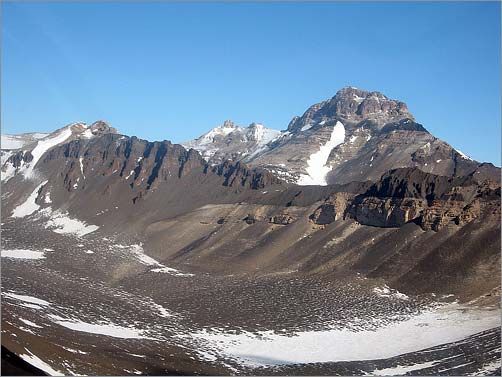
{"x": 25, "y": 298}
{"x": 100, "y": 328}
{"x": 316, "y": 164}
{"x": 29, "y": 206}
{"x": 308, "y": 126}
{"x": 463, "y": 155}
{"x": 47, "y": 198}
{"x": 489, "y": 368}
{"x": 138, "y": 252}
{"x": 60, "y": 222}
{"x": 74, "y": 350}
{"x": 163, "y": 312}
{"x": 29, "y": 323}
{"x": 87, "y": 134}
{"x": 169, "y": 270}
{"x": 357, "y": 98}
{"x": 130, "y": 173}
{"x": 385, "y": 291}
{"x": 22, "y": 254}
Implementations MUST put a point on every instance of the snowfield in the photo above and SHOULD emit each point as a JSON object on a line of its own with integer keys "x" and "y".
{"x": 11, "y": 142}
{"x": 316, "y": 164}
{"x": 449, "y": 323}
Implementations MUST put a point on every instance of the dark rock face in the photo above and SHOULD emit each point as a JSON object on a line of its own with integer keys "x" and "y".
{"x": 440, "y": 214}
{"x": 13, "y": 365}
{"x": 387, "y": 212}
{"x": 405, "y": 124}
{"x": 282, "y": 219}
{"x": 405, "y": 195}
{"x": 144, "y": 165}
{"x": 20, "y": 158}
{"x": 239, "y": 174}
{"x": 250, "y": 219}
{"x": 324, "y": 214}
{"x": 101, "y": 127}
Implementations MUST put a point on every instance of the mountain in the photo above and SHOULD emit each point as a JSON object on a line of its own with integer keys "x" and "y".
{"x": 220, "y": 256}
{"x": 354, "y": 136}
{"x": 231, "y": 142}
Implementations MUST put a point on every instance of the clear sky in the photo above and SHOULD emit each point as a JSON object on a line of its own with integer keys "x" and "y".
{"x": 175, "y": 70}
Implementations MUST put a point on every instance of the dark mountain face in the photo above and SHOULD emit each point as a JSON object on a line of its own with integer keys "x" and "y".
{"x": 353, "y": 105}
{"x": 401, "y": 222}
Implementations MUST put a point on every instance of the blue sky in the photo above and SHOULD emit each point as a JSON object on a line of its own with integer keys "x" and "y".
{"x": 175, "y": 70}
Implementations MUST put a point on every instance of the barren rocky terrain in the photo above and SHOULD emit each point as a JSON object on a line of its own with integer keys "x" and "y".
{"x": 122, "y": 256}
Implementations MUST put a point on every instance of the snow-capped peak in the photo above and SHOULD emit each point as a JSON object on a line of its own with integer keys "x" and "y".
{"x": 37, "y": 144}
{"x": 263, "y": 135}
{"x": 232, "y": 140}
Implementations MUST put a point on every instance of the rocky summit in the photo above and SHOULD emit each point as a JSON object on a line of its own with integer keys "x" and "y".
{"x": 352, "y": 242}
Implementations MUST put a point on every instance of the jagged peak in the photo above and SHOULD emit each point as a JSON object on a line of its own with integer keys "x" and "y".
{"x": 101, "y": 127}
{"x": 228, "y": 124}
{"x": 354, "y": 105}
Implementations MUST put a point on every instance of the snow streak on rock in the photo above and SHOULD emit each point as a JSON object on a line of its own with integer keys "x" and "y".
{"x": 316, "y": 164}
{"x": 40, "y": 364}
{"x": 81, "y": 166}
{"x": 43, "y": 146}
{"x": 28, "y": 206}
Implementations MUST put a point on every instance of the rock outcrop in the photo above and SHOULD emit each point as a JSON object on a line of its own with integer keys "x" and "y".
{"x": 432, "y": 201}
{"x": 282, "y": 219}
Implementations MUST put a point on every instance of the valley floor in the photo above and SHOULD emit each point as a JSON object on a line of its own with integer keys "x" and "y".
{"x": 97, "y": 305}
